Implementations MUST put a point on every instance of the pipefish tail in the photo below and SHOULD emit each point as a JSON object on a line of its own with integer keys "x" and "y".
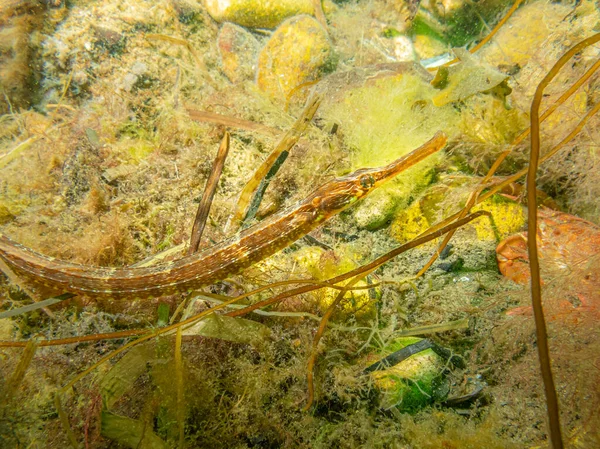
{"x": 218, "y": 262}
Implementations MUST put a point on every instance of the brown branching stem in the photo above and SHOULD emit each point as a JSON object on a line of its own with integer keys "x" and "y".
{"x": 135, "y": 332}
{"x": 499, "y": 186}
{"x": 180, "y": 388}
{"x": 534, "y": 265}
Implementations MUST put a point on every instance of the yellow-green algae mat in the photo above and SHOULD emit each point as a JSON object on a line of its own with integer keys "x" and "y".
{"x": 381, "y": 116}
{"x": 386, "y": 111}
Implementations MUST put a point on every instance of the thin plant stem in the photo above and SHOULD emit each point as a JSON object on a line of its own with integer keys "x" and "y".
{"x": 136, "y": 332}
{"x": 180, "y": 391}
{"x": 208, "y": 195}
{"x": 317, "y": 338}
{"x": 285, "y": 144}
{"x": 534, "y": 265}
{"x": 362, "y": 269}
{"x": 499, "y": 186}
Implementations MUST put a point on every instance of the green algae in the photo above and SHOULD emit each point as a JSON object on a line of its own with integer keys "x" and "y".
{"x": 383, "y": 120}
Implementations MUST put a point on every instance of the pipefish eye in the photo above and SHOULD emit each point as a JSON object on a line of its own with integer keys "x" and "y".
{"x": 366, "y": 181}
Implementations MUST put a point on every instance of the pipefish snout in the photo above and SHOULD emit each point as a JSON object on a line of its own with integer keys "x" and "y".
{"x": 218, "y": 262}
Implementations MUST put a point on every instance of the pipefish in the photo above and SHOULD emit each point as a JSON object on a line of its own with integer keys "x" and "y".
{"x": 217, "y": 262}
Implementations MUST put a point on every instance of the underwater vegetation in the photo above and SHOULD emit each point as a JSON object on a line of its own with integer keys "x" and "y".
{"x": 263, "y": 224}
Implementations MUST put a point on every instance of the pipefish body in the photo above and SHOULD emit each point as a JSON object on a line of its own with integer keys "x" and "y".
{"x": 217, "y": 262}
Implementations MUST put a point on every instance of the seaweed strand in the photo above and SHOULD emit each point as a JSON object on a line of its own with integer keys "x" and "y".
{"x": 208, "y": 195}
{"x": 320, "y": 331}
{"x": 499, "y": 186}
{"x": 134, "y": 332}
{"x": 534, "y": 265}
{"x": 180, "y": 390}
{"x": 499, "y": 25}
{"x": 285, "y": 144}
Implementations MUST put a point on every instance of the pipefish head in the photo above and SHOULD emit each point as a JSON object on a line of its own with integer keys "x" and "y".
{"x": 337, "y": 195}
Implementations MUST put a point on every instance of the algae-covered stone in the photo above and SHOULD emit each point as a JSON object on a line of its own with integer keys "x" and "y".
{"x": 404, "y": 49}
{"x": 521, "y": 37}
{"x": 257, "y": 13}
{"x": 409, "y": 223}
{"x": 456, "y": 22}
{"x": 359, "y": 302}
{"x": 323, "y": 264}
{"x": 6, "y": 215}
{"x": 379, "y": 209}
{"x": 296, "y": 53}
{"x": 413, "y": 383}
{"x": 442, "y": 200}
{"x": 375, "y": 211}
{"x": 487, "y": 120}
{"x": 239, "y": 51}
{"x": 507, "y": 218}
{"x": 428, "y": 46}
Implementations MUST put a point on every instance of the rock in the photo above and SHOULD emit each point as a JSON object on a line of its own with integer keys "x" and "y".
{"x": 109, "y": 40}
{"x": 257, "y": 13}
{"x": 568, "y": 248}
{"x": 239, "y": 52}
{"x": 507, "y": 217}
{"x": 129, "y": 80}
{"x": 428, "y": 46}
{"x": 297, "y": 52}
{"x": 322, "y": 265}
{"x": 114, "y": 174}
{"x": 414, "y": 382}
{"x": 409, "y": 223}
{"x": 8, "y": 329}
{"x": 188, "y": 11}
{"x": 404, "y": 50}
{"x": 377, "y": 210}
{"x": 456, "y": 22}
{"x": 520, "y": 39}
{"x": 487, "y": 121}
{"x": 445, "y": 198}
{"x": 6, "y": 215}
